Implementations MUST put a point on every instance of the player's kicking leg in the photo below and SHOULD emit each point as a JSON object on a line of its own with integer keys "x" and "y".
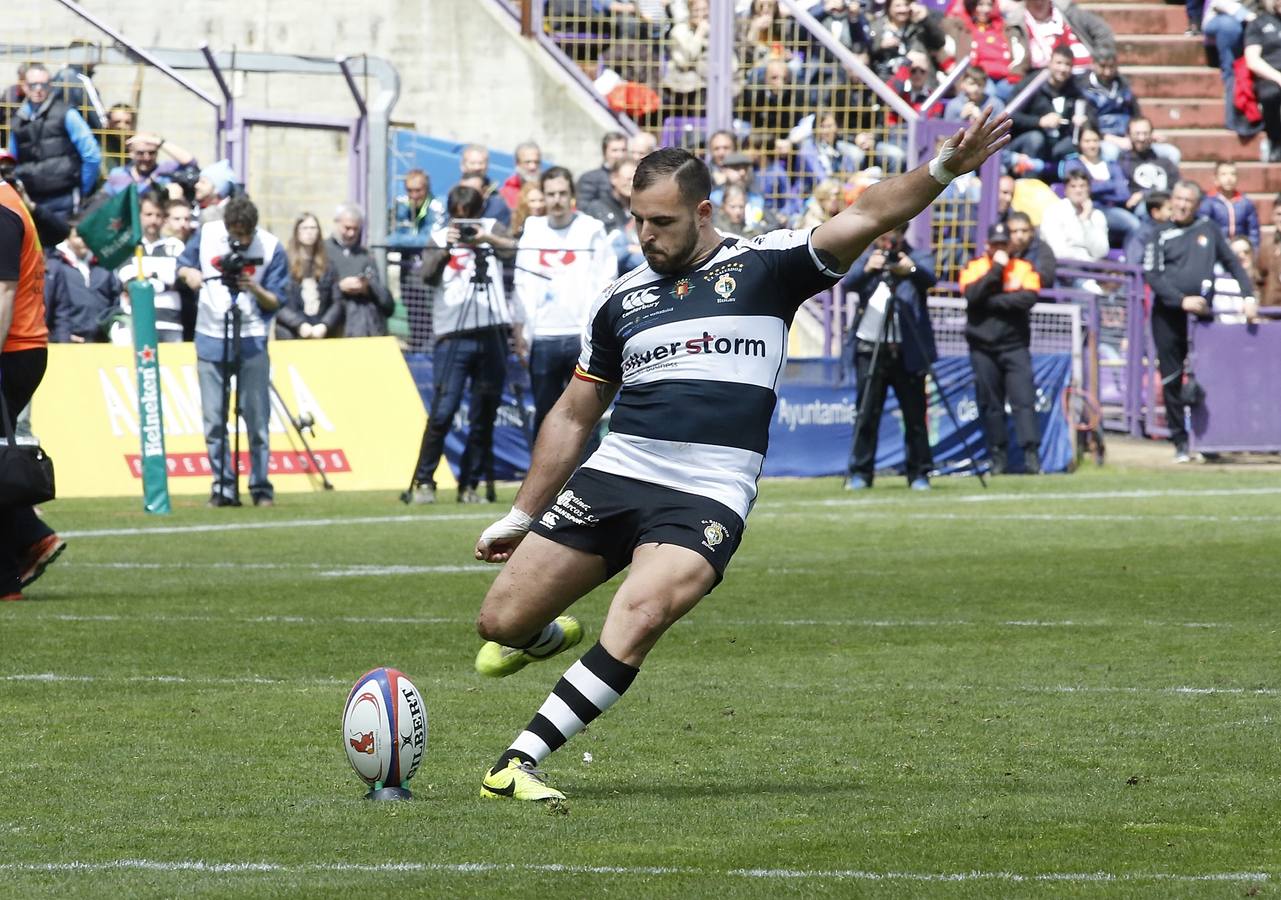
{"x": 665, "y": 582}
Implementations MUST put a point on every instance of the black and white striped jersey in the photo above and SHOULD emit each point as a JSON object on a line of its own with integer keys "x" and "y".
{"x": 699, "y": 356}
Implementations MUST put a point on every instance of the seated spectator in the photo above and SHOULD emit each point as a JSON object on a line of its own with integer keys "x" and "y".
{"x": 915, "y": 81}
{"x": 827, "y": 200}
{"x": 1113, "y": 103}
{"x": 1232, "y": 210}
{"x": 640, "y": 145}
{"x": 1090, "y": 29}
{"x": 594, "y": 184}
{"x": 982, "y": 36}
{"x": 765, "y": 35}
{"x": 1004, "y": 197}
{"x": 720, "y": 145}
{"x": 1145, "y": 169}
{"x": 774, "y": 168}
{"x": 824, "y": 155}
{"x": 1026, "y": 244}
{"x": 474, "y": 162}
{"x": 972, "y": 97}
{"x": 57, "y": 154}
{"x": 531, "y": 202}
{"x": 1109, "y": 188}
{"x": 906, "y": 25}
{"x": 1044, "y": 125}
{"x": 846, "y": 21}
{"x": 1047, "y": 28}
{"x": 366, "y": 302}
{"x": 144, "y": 170}
{"x": 529, "y": 165}
{"x": 78, "y": 293}
{"x": 1157, "y": 205}
{"x": 178, "y": 220}
{"x": 1268, "y": 265}
{"x": 1074, "y": 227}
{"x": 685, "y": 81}
{"x": 216, "y": 185}
{"x": 1224, "y": 22}
{"x": 160, "y": 254}
{"x": 731, "y": 214}
{"x": 1263, "y": 58}
{"x": 122, "y": 121}
{"x": 311, "y": 306}
{"x": 772, "y": 104}
{"x": 739, "y": 171}
{"x": 416, "y": 213}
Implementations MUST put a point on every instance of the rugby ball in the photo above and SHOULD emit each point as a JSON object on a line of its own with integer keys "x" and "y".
{"x": 384, "y": 728}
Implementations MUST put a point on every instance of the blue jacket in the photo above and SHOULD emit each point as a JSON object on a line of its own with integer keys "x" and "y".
{"x": 410, "y": 229}
{"x": 1236, "y": 216}
{"x": 73, "y": 307}
{"x": 1113, "y": 104}
{"x": 910, "y": 292}
{"x": 1111, "y": 191}
{"x": 81, "y": 138}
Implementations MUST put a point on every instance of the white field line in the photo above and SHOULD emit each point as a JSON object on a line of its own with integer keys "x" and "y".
{"x": 320, "y": 570}
{"x": 481, "y": 868}
{"x": 988, "y": 497}
{"x": 1011, "y": 517}
{"x": 861, "y": 688}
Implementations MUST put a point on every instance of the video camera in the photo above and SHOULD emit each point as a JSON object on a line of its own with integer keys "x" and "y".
{"x": 234, "y": 263}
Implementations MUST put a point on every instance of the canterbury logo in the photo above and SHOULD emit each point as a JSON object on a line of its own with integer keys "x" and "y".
{"x": 640, "y": 299}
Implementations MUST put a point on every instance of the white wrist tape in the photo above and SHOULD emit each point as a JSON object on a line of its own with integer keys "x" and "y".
{"x": 936, "y": 170}
{"x": 514, "y": 524}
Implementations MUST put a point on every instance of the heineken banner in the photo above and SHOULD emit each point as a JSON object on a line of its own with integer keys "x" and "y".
{"x": 113, "y": 229}
{"x": 151, "y": 425}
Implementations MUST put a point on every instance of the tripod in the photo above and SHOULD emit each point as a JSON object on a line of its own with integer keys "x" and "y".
{"x": 303, "y": 422}
{"x": 230, "y": 368}
{"x": 483, "y": 317}
{"x": 878, "y": 337}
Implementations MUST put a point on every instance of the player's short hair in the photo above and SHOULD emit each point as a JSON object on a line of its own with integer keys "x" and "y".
{"x": 691, "y": 175}
{"x": 558, "y": 172}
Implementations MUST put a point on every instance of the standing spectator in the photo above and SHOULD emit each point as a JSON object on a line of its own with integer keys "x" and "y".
{"x": 685, "y": 81}
{"x": 256, "y": 294}
{"x": 1109, "y": 188}
{"x": 563, "y": 262}
{"x": 57, "y": 155}
{"x": 79, "y": 293}
{"x": 594, "y": 184}
{"x": 1073, "y": 227}
{"x": 826, "y": 201}
{"x": 1157, "y": 204}
{"x": 614, "y": 212}
{"x": 143, "y": 170}
{"x": 121, "y": 124}
{"x": 1044, "y": 127}
{"x": 216, "y": 185}
{"x": 1112, "y": 101}
{"x": 416, "y": 214}
{"x": 474, "y": 162}
{"x": 529, "y": 165}
{"x": 1230, "y": 209}
{"x": 1145, "y": 169}
{"x": 27, "y": 545}
{"x": 1026, "y": 244}
{"x": 471, "y": 328}
{"x": 311, "y": 307}
{"x": 905, "y": 354}
{"x": 160, "y": 267}
{"x": 178, "y": 220}
{"x": 1224, "y": 23}
{"x": 531, "y": 202}
{"x": 1178, "y": 265}
{"x": 51, "y": 229}
{"x": 1000, "y": 291}
{"x": 1263, "y": 58}
{"x": 366, "y": 302}
{"x": 1269, "y": 260}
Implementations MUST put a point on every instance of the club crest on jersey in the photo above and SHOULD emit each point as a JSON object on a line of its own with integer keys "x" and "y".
{"x": 724, "y": 288}
{"x": 682, "y": 289}
{"x": 714, "y": 533}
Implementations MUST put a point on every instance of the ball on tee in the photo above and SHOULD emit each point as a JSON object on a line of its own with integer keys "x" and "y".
{"x": 384, "y": 728}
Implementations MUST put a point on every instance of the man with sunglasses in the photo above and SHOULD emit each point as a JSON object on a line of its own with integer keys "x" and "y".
{"x": 145, "y": 169}
{"x": 57, "y": 155}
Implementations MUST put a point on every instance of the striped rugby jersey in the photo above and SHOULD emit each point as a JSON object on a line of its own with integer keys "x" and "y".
{"x": 699, "y": 356}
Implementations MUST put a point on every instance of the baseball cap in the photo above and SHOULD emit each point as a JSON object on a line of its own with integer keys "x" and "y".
{"x": 998, "y": 234}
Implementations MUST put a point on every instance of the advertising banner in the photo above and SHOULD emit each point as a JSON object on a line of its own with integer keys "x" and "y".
{"x": 155, "y": 478}
{"x": 368, "y": 418}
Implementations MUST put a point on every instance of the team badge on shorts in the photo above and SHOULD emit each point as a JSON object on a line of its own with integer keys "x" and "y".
{"x": 713, "y": 533}
{"x": 724, "y": 288}
{"x": 682, "y": 288}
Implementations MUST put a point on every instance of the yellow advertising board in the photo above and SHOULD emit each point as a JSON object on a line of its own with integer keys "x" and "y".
{"x": 368, "y": 418}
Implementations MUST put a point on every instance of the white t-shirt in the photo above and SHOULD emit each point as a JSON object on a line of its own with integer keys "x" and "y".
{"x": 559, "y": 273}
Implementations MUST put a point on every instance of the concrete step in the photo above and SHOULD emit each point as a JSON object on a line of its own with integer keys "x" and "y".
{"x": 1255, "y": 178}
{"x": 1141, "y": 18}
{"x": 1213, "y": 144}
{"x": 1200, "y": 82}
{"x": 1160, "y": 50}
{"x": 1183, "y": 112}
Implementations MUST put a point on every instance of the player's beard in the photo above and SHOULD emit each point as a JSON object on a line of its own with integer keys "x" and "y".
{"x": 680, "y": 258}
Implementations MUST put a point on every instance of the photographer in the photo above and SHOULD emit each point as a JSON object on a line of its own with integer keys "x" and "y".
{"x": 366, "y": 302}
{"x": 471, "y": 323}
{"x": 892, "y": 280}
{"x": 240, "y": 272}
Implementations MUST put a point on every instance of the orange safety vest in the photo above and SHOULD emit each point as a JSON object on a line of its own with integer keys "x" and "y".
{"x": 28, "y": 331}
{"x": 1019, "y": 274}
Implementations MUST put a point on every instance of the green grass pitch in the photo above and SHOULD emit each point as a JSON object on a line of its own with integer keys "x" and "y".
{"x": 1060, "y": 686}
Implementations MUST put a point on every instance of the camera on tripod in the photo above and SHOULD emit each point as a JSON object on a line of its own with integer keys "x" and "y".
{"x": 233, "y": 264}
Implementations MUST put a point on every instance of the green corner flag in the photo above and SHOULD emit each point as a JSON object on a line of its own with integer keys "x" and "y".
{"x": 113, "y": 229}
{"x": 151, "y": 425}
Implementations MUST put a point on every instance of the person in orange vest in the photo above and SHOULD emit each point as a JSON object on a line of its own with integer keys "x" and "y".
{"x": 1000, "y": 291}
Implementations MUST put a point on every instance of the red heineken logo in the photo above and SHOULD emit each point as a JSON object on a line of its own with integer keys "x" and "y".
{"x": 116, "y": 224}
{"x": 147, "y": 355}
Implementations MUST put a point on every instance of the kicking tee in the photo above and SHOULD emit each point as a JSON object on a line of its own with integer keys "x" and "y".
{"x": 698, "y": 356}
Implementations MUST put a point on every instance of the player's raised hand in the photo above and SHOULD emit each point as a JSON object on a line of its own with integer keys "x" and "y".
{"x": 966, "y": 150}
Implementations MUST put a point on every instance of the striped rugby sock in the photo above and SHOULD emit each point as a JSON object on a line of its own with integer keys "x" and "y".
{"x": 546, "y": 642}
{"x": 591, "y": 686}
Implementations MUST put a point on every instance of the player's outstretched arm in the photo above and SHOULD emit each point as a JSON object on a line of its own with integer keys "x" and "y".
{"x": 890, "y": 203}
{"x": 557, "y": 450}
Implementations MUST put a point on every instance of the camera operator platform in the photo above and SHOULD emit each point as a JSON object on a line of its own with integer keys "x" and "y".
{"x": 893, "y": 347}
{"x": 472, "y": 325}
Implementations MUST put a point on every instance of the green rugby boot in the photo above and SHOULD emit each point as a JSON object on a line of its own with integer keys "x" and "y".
{"x": 519, "y": 781}
{"x": 496, "y": 661}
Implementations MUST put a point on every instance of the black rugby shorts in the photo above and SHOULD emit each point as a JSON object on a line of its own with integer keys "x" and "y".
{"x": 610, "y": 516}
